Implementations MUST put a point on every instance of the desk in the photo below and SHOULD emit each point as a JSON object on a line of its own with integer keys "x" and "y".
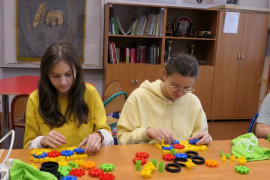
{"x": 121, "y": 156}
{"x": 14, "y": 86}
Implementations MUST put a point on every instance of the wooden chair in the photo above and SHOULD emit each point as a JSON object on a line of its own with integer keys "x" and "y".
{"x": 113, "y": 104}
{"x": 18, "y": 108}
{"x": 111, "y": 88}
{"x": 253, "y": 124}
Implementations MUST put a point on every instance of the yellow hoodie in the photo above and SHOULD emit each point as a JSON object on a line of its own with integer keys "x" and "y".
{"x": 35, "y": 125}
{"x": 147, "y": 107}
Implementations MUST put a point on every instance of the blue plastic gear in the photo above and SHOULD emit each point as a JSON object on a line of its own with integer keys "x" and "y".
{"x": 181, "y": 155}
{"x": 43, "y": 155}
{"x": 193, "y": 141}
{"x": 79, "y": 150}
{"x": 67, "y": 153}
{"x": 242, "y": 169}
{"x": 107, "y": 167}
{"x": 167, "y": 148}
{"x": 69, "y": 178}
{"x": 175, "y": 142}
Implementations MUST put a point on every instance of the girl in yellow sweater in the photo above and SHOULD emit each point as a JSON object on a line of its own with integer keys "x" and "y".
{"x": 166, "y": 109}
{"x": 64, "y": 110}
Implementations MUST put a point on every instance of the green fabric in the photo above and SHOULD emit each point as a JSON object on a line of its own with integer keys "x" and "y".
{"x": 247, "y": 145}
{"x": 22, "y": 171}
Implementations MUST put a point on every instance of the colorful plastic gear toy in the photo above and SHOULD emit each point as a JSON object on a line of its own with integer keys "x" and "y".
{"x": 143, "y": 161}
{"x": 79, "y": 150}
{"x": 67, "y": 153}
{"x": 144, "y": 155}
{"x": 77, "y": 172}
{"x": 107, "y": 167}
{"x": 54, "y": 154}
{"x": 69, "y": 178}
{"x": 180, "y": 155}
{"x": 211, "y": 163}
{"x": 96, "y": 172}
{"x": 168, "y": 148}
{"x": 168, "y": 157}
{"x": 193, "y": 141}
{"x": 242, "y": 169}
{"x": 179, "y": 146}
{"x": 106, "y": 176}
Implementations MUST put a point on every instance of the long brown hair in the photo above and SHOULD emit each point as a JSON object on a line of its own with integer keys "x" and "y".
{"x": 48, "y": 104}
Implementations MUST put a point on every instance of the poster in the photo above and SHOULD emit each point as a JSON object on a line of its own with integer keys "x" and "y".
{"x": 41, "y": 23}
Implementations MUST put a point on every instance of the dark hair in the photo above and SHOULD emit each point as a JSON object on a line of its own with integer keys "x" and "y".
{"x": 184, "y": 64}
{"x": 48, "y": 103}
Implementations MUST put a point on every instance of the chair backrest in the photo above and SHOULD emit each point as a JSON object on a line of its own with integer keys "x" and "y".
{"x": 115, "y": 103}
{"x": 253, "y": 123}
{"x": 111, "y": 88}
{"x": 18, "y": 108}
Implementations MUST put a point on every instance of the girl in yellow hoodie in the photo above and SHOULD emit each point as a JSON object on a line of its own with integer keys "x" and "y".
{"x": 166, "y": 109}
{"x": 64, "y": 110}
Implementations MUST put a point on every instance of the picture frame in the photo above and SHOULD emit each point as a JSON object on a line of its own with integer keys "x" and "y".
{"x": 41, "y": 23}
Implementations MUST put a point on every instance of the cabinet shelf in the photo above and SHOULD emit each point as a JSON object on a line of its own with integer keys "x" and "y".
{"x": 133, "y": 36}
{"x": 191, "y": 38}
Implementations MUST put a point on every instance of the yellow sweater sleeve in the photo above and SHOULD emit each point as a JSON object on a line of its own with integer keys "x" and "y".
{"x": 31, "y": 127}
{"x": 129, "y": 128}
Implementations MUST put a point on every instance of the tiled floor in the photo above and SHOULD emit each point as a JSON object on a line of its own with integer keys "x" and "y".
{"x": 227, "y": 129}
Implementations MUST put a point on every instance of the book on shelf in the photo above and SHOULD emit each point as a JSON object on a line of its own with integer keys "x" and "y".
{"x": 161, "y": 21}
{"x": 114, "y": 26}
{"x": 132, "y": 55}
{"x": 127, "y": 54}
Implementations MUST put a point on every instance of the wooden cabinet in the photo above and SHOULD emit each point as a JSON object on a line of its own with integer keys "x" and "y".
{"x": 131, "y": 75}
{"x": 238, "y": 67}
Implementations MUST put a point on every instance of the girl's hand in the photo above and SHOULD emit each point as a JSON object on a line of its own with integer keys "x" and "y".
{"x": 53, "y": 139}
{"x": 159, "y": 134}
{"x": 204, "y": 137}
{"x": 92, "y": 143}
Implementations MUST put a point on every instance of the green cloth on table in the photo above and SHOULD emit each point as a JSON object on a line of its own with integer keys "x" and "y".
{"x": 23, "y": 171}
{"x": 247, "y": 145}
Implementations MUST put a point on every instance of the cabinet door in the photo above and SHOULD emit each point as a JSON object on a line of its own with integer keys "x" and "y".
{"x": 203, "y": 87}
{"x": 144, "y": 72}
{"x": 122, "y": 73}
{"x": 226, "y": 70}
{"x": 251, "y": 65}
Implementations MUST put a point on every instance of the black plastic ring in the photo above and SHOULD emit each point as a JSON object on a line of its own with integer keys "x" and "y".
{"x": 191, "y": 154}
{"x": 179, "y": 161}
{"x": 176, "y": 168}
{"x": 198, "y": 160}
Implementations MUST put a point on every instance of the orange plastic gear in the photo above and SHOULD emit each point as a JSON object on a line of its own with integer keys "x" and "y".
{"x": 211, "y": 163}
{"x": 88, "y": 165}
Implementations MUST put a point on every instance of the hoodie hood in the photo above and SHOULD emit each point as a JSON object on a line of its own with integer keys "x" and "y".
{"x": 154, "y": 88}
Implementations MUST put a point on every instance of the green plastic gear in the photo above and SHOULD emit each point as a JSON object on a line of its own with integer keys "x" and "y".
{"x": 242, "y": 169}
{"x": 107, "y": 167}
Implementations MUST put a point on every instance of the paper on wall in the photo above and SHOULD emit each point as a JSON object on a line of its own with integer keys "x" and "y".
{"x": 231, "y": 22}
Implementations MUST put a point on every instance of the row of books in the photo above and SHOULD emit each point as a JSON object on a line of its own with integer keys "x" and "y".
{"x": 145, "y": 25}
{"x": 140, "y": 54}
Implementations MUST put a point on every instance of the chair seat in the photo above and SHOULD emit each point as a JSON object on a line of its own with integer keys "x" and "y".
{"x": 19, "y": 122}
{"x": 111, "y": 120}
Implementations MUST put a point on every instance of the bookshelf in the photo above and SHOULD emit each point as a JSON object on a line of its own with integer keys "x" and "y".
{"x": 130, "y": 74}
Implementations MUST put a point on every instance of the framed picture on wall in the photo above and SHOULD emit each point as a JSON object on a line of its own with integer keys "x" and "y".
{"x": 41, "y": 23}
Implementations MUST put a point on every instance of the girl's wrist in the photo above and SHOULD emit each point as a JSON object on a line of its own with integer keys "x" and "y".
{"x": 101, "y": 136}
